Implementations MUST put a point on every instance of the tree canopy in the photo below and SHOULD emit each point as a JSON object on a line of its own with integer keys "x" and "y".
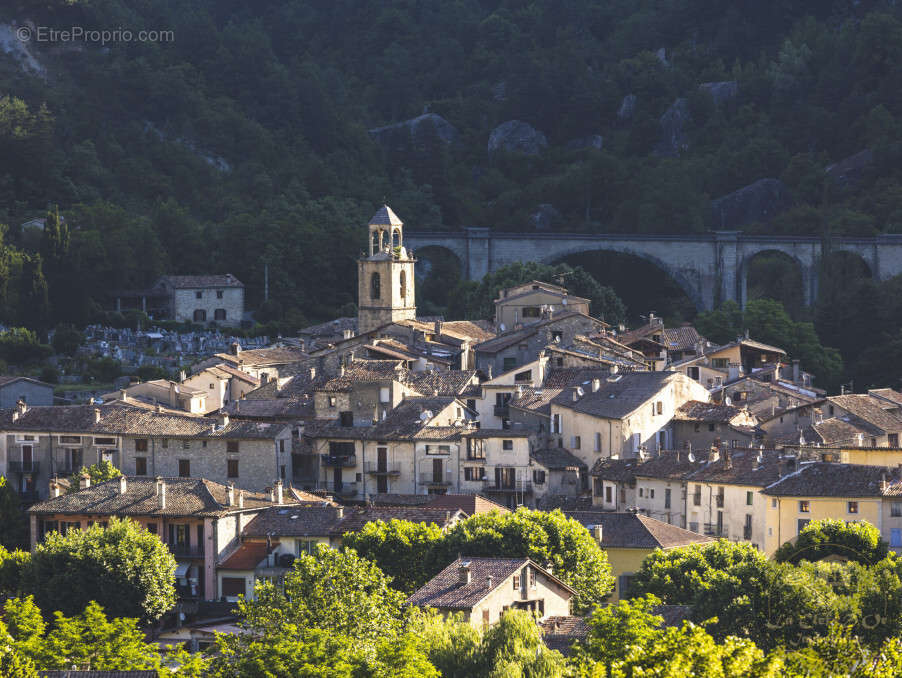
{"x": 859, "y": 541}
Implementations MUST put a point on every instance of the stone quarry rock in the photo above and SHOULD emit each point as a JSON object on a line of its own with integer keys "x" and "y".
{"x": 849, "y": 171}
{"x": 415, "y": 130}
{"x": 721, "y": 92}
{"x": 545, "y": 217}
{"x": 627, "y": 107}
{"x": 673, "y": 133}
{"x": 517, "y": 136}
{"x": 760, "y": 201}
{"x": 595, "y": 141}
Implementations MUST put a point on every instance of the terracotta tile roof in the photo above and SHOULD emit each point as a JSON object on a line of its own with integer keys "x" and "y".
{"x": 875, "y": 411}
{"x": 557, "y": 458}
{"x": 198, "y": 281}
{"x": 618, "y": 398}
{"x": 673, "y": 464}
{"x": 564, "y": 503}
{"x": 634, "y": 530}
{"x": 498, "y": 433}
{"x": 441, "y": 382}
{"x": 511, "y": 337}
{"x": 263, "y": 357}
{"x": 838, "y": 431}
{"x": 471, "y": 504}
{"x": 559, "y": 633}
{"x": 227, "y": 370}
{"x": 828, "y": 479}
{"x": 445, "y": 591}
{"x": 387, "y": 499}
{"x": 273, "y": 408}
{"x": 745, "y": 466}
{"x": 248, "y": 555}
{"x": 617, "y": 470}
{"x": 695, "y": 410}
{"x": 121, "y": 418}
{"x": 365, "y": 371}
{"x": 476, "y": 330}
{"x": 295, "y": 521}
{"x": 355, "y": 521}
{"x": 561, "y": 293}
{"x": 184, "y": 497}
{"x": 682, "y": 338}
{"x": 538, "y": 400}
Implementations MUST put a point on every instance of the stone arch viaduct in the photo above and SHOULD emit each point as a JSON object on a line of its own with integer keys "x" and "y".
{"x": 709, "y": 267}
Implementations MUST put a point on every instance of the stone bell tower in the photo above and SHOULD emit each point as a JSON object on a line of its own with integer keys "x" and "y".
{"x": 385, "y": 283}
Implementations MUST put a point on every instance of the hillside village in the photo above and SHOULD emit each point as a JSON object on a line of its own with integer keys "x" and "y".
{"x": 650, "y": 437}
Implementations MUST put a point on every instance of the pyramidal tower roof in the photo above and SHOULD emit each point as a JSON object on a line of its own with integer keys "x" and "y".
{"x": 385, "y": 217}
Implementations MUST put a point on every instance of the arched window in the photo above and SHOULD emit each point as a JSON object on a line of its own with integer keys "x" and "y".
{"x": 375, "y": 286}
{"x": 396, "y": 238}
{"x": 403, "y": 285}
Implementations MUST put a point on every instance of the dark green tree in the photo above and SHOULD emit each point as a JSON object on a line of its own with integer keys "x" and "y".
{"x": 859, "y": 541}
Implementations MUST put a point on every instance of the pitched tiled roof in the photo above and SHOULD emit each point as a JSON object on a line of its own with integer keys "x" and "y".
{"x": 184, "y": 497}
{"x": 121, "y": 418}
{"x": 617, "y": 470}
{"x": 388, "y": 499}
{"x": 559, "y": 633}
{"x": 261, "y": 357}
{"x": 838, "y": 431}
{"x": 445, "y": 591}
{"x": 355, "y": 521}
{"x": 695, "y": 410}
{"x": 498, "y": 433}
{"x": 471, "y": 504}
{"x": 441, "y": 382}
{"x": 197, "y": 281}
{"x": 828, "y": 479}
{"x": 248, "y": 555}
{"x": 874, "y": 411}
{"x": 385, "y": 217}
{"x": 226, "y": 370}
{"x": 295, "y": 521}
{"x": 673, "y": 464}
{"x": 634, "y": 530}
{"x": 557, "y": 458}
{"x": 617, "y": 398}
{"x": 682, "y": 338}
{"x": 365, "y": 371}
{"x": 511, "y": 337}
{"x": 538, "y": 400}
{"x": 750, "y": 467}
{"x": 272, "y": 408}
{"x": 551, "y": 502}
{"x": 476, "y": 330}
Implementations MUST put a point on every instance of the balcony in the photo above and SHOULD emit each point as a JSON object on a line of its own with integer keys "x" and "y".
{"x": 517, "y": 487}
{"x": 434, "y": 479}
{"x": 377, "y": 469}
{"x": 340, "y": 460}
{"x": 23, "y": 467}
{"x": 712, "y": 530}
{"x": 343, "y": 490}
{"x": 475, "y": 460}
{"x": 501, "y": 411}
{"x": 186, "y": 550}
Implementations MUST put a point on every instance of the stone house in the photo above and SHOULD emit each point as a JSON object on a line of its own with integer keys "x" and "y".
{"x": 556, "y": 472}
{"x": 261, "y": 363}
{"x": 628, "y": 538}
{"x": 621, "y": 414}
{"x": 483, "y": 589}
{"x": 699, "y": 425}
{"x": 764, "y": 399}
{"x": 169, "y": 394}
{"x": 38, "y": 443}
{"x": 497, "y": 392}
{"x": 723, "y": 364}
{"x": 197, "y": 518}
{"x": 516, "y": 347}
{"x": 530, "y": 407}
{"x": 222, "y": 384}
{"x": 31, "y": 391}
{"x": 524, "y": 303}
{"x": 497, "y": 463}
{"x": 190, "y": 298}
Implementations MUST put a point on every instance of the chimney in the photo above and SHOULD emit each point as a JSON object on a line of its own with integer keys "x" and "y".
{"x": 230, "y": 495}
{"x": 240, "y": 498}
{"x": 348, "y": 333}
{"x": 278, "y": 489}
{"x": 159, "y": 408}
{"x": 21, "y": 407}
{"x": 490, "y": 371}
{"x": 223, "y": 420}
{"x": 340, "y": 512}
{"x": 489, "y": 581}
{"x": 161, "y": 492}
{"x": 596, "y": 384}
{"x": 463, "y": 572}
{"x": 596, "y": 532}
{"x": 796, "y": 372}
{"x": 96, "y": 415}
{"x": 123, "y": 484}
{"x": 84, "y": 481}
{"x": 272, "y": 495}
{"x": 236, "y": 348}
{"x": 182, "y": 375}
{"x": 173, "y": 395}
{"x": 438, "y": 328}
{"x": 54, "y": 488}
{"x": 313, "y": 373}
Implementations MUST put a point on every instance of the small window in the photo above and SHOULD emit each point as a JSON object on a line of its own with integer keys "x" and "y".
{"x": 804, "y": 507}
{"x": 507, "y": 444}
{"x": 667, "y": 498}
{"x": 557, "y": 336}
{"x": 103, "y": 441}
{"x": 853, "y": 507}
{"x": 516, "y": 582}
{"x": 233, "y": 586}
{"x": 749, "y": 498}
{"x": 538, "y": 477}
{"x": 485, "y": 618}
{"x": 71, "y": 439}
{"x": 532, "y": 578}
{"x": 773, "y": 503}
{"x": 140, "y": 444}
{"x": 232, "y": 468}
{"x": 895, "y": 509}
{"x": 219, "y": 314}
{"x": 232, "y": 446}
{"x": 803, "y": 523}
{"x": 140, "y": 466}
{"x": 331, "y": 401}
{"x": 474, "y": 473}
{"x": 200, "y": 315}
{"x": 608, "y": 495}
{"x": 508, "y": 364}
{"x": 577, "y": 442}
{"x": 697, "y": 427}
{"x": 346, "y": 419}
{"x": 164, "y": 443}
{"x": 531, "y": 312}
{"x": 184, "y": 468}
{"x": 597, "y": 441}
{"x": 641, "y": 490}
{"x": 651, "y": 493}
{"x": 712, "y": 427}
{"x": 660, "y": 407}
{"x": 219, "y": 294}
{"x": 186, "y": 444}
{"x": 198, "y": 295}
{"x": 525, "y": 375}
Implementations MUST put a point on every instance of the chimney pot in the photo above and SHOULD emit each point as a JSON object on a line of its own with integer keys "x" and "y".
{"x": 463, "y": 573}
{"x": 230, "y": 495}
{"x": 278, "y": 489}
{"x": 21, "y": 406}
{"x": 123, "y": 395}
{"x": 96, "y": 415}
{"x": 340, "y": 512}
{"x": 54, "y": 488}
{"x": 240, "y": 498}
{"x": 123, "y": 484}
{"x": 84, "y": 481}
{"x": 161, "y": 493}
{"x": 236, "y": 348}
{"x": 489, "y": 581}
{"x": 597, "y": 533}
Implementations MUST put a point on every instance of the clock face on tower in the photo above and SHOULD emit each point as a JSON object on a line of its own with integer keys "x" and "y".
{"x": 385, "y": 277}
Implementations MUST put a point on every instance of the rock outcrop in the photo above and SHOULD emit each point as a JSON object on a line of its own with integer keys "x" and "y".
{"x": 627, "y": 107}
{"x": 849, "y": 171}
{"x": 760, "y": 201}
{"x": 416, "y": 130}
{"x": 516, "y": 136}
{"x": 673, "y": 139}
{"x": 721, "y": 92}
{"x": 545, "y": 217}
{"x": 595, "y": 141}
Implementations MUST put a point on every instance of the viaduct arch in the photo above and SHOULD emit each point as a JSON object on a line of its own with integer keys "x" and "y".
{"x": 710, "y": 267}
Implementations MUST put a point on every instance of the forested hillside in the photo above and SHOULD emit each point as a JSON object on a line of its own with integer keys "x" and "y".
{"x": 245, "y": 138}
